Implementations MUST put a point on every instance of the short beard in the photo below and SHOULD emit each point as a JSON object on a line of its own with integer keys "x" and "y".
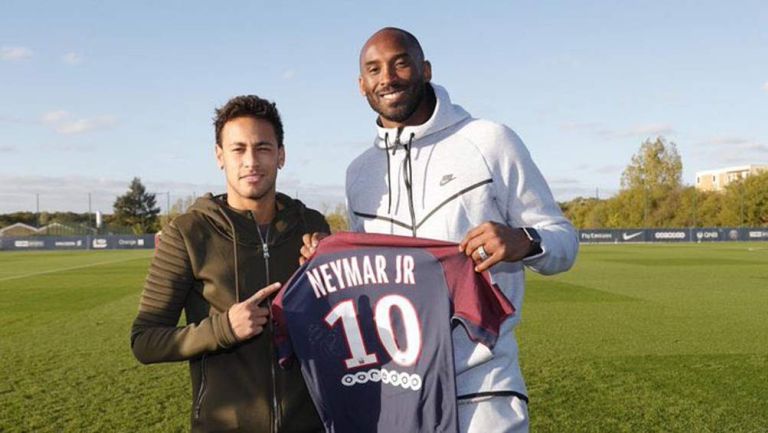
{"x": 401, "y": 114}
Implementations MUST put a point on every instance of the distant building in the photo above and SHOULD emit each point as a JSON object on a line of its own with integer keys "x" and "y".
{"x": 18, "y": 229}
{"x": 53, "y": 229}
{"x": 716, "y": 180}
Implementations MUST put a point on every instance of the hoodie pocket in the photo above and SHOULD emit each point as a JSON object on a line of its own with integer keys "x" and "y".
{"x": 203, "y": 385}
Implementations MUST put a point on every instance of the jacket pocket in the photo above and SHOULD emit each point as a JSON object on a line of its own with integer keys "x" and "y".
{"x": 201, "y": 392}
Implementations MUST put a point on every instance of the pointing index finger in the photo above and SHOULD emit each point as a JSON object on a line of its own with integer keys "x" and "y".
{"x": 263, "y": 294}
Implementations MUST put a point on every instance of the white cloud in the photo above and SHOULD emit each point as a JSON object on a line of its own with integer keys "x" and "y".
{"x": 70, "y": 193}
{"x": 646, "y": 130}
{"x": 15, "y": 53}
{"x": 563, "y": 181}
{"x": 731, "y": 143}
{"x": 72, "y": 58}
{"x": 53, "y": 117}
{"x": 65, "y": 123}
{"x": 288, "y": 74}
{"x": 14, "y": 119}
{"x": 580, "y": 126}
{"x": 316, "y": 196}
{"x": 6, "y": 148}
{"x": 734, "y": 151}
{"x": 765, "y": 86}
{"x": 566, "y": 193}
{"x": 78, "y": 126}
{"x": 639, "y": 131}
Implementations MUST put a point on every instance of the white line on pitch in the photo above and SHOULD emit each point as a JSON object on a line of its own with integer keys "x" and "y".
{"x": 52, "y": 271}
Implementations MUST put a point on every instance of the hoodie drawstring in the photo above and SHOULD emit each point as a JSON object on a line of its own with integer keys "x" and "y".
{"x": 408, "y": 172}
{"x": 389, "y": 177}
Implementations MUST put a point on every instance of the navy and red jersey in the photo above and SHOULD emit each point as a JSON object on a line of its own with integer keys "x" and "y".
{"x": 369, "y": 318}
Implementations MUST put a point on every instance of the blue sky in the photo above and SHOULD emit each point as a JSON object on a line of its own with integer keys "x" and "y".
{"x": 94, "y": 93}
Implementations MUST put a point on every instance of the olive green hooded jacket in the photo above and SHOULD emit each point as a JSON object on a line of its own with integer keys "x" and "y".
{"x": 209, "y": 259}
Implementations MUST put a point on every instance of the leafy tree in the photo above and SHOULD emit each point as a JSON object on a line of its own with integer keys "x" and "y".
{"x": 745, "y": 201}
{"x": 757, "y": 204}
{"x": 137, "y": 209}
{"x": 709, "y": 209}
{"x": 653, "y": 175}
{"x": 337, "y": 219}
{"x": 177, "y": 208}
{"x": 656, "y": 165}
{"x": 586, "y": 213}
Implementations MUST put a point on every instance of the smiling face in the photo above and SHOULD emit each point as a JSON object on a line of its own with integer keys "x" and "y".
{"x": 393, "y": 78}
{"x": 250, "y": 156}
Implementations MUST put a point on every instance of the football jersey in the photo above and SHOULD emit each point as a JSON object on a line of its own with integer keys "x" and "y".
{"x": 369, "y": 318}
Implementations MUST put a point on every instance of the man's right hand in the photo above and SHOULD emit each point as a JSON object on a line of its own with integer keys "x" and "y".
{"x": 310, "y": 243}
{"x": 247, "y": 318}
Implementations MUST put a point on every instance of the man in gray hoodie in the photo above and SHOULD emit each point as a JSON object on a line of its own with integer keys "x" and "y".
{"x": 435, "y": 172}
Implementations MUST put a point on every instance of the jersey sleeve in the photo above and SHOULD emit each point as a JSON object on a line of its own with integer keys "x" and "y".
{"x": 478, "y": 304}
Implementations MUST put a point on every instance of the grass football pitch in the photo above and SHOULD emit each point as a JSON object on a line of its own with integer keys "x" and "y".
{"x": 636, "y": 338}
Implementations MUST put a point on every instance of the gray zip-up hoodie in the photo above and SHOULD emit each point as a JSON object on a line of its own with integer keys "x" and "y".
{"x": 439, "y": 180}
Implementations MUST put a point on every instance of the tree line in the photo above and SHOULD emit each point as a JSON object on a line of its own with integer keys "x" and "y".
{"x": 652, "y": 195}
{"x": 136, "y": 211}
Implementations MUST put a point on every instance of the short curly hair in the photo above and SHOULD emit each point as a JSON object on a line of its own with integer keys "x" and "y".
{"x": 248, "y": 106}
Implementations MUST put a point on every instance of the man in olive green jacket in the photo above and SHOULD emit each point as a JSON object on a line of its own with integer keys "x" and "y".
{"x": 211, "y": 263}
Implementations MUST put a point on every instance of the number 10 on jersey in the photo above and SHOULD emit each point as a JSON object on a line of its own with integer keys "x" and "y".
{"x": 346, "y": 312}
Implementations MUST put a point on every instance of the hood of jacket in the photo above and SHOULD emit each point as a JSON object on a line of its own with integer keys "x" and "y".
{"x": 446, "y": 114}
{"x": 241, "y": 226}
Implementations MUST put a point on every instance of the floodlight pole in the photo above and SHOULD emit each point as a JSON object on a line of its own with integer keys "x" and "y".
{"x": 742, "y": 204}
{"x": 695, "y": 193}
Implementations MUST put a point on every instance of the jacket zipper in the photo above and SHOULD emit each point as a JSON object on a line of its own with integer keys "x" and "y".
{"x": 201, "y": 391}
{"x": 408, "y": 172}
{"x": 270, "y": 326}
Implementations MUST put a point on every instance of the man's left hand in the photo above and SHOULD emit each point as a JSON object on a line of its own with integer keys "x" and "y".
{"x": 500, "y": 243}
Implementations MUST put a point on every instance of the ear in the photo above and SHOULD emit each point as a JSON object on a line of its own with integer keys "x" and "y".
{"x": 219, "y": 156}
{"x": 427, "y": 71}
{"x": 281, "y": 157}
{"x": 360, "y": 85}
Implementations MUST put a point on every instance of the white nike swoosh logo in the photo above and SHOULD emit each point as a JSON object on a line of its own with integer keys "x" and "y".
{"x": 627, "y": 237}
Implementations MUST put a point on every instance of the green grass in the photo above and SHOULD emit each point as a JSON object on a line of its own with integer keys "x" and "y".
{"x": 650, "y": 338}
{"x": 636, "y": 338}
{"x": 64, "y": 348}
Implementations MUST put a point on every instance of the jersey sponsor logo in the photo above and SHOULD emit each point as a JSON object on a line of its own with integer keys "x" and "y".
{"x": 447, "y": 178}
{"x": 630, "y": 236}
{"x": 389, "y": 377}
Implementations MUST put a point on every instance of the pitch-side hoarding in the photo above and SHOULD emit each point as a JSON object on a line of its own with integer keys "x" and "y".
{"x": 714, "y": 234}
{"x": 111, "y": 242}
